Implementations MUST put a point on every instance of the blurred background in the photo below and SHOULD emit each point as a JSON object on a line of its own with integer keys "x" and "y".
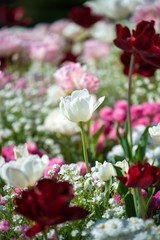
{"x": 38, "y": 10}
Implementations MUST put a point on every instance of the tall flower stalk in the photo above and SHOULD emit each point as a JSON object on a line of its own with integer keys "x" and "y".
{"x": 129, "y": 97}
{"x": 84, "y": 146}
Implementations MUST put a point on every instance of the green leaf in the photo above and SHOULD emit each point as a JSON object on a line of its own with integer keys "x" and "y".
{"x": 141, "y": 149}
{"x": 124, "y": 140}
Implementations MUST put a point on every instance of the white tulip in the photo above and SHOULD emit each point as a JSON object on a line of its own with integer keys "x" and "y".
{"x": 105, "y": 171}
{"x": 124, "y": 165}
{"x": 21, "y": 151}
{"x": 155, "y": 132}
{"x": 79, "y": 107}
{"x": 24, "y": 171}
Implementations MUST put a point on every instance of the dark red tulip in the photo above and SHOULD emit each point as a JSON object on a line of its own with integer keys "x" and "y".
{"x": 47, "y": 204}
{"x": 141, "y": 176}
{"x": 83, "y": 16}
{"x": 139, "y": 41}
{"x": 140, "y": 66}
{"x": 10, "y": 16}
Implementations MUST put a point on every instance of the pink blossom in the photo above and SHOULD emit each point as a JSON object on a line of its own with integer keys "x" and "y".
{"x": 106, "y": 114}
{"x": 59, "y": 26}
{"x": 156, "y": 118}
{"x": 83, "y": 167}
{"x": 122, "y": 104}
{"x": 66, "y": 75}
{"x": 119, "y": 115}
{"x": 96, "y": 126}
{"x": 118, "y": 199}
{"x": 95, "y": 50}
{"x": 20, "y": 83}
{"x": 100, "y": 145}
{"x": 149, "y": 109}
{"x": 9, "y": 43}
{"x": 48, "y": 50}
{"x": 51, "y": 164}
{"x": 136, "y": 112}
{"x": 4, "y": 226}
{"x": 142, "y": 121}
{"x": 112, "y": 133}
{"x": 148, "y": 11}
{"x": 87, "y": 81}
{"x": 8, "y": 154}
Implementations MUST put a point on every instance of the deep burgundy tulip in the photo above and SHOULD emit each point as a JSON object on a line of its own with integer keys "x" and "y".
{"x": 141, "y": 176}
{"x": 139, "y": 41}
{"x": 140, "y": 66}
{"x": 83, "y": 16}
{"x": 47, "y": 204}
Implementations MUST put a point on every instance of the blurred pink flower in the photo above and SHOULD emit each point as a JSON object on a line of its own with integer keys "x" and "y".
{"x": 97, "y": 125}
{"x": 100, "y": 145}
{"x": 122, "y": 104}
{"x": 156, "y": 118}
{"x": 112, "y": 133}
{"x": 48, "y": 50}
{"x": 59, "y": 26}
{"x": 106, "y": 114}
{"x": 51, "y": 164}
{"x": 72, "y": 75}
{"x": 148, "y": 11}
{"x": 149, "y": 109}
{"x": 94, "y": 50}
{"x": 4, "y": 226}
{"x": 83, "y": 167}
{"x": 119, "y": 115}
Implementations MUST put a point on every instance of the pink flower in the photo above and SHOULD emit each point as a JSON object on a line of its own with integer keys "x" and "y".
{"x": 122, "y": 104}
{"x": 95, "y": 50}
{"x": 59, "y": 26}
{"x": 48, "y": 50}
{"x": 148, "y": 11}
{"x": 106, "y": 114}
{"x": 142, "y": 121}
{"x": 8, "y": 154}
{"x": 73, "y": 75}
{"x": 118, "y": 199}
{"x": 136, "y": 112}
{"x": 66, "y": 75}
{"x": 112, "y": 133}
{"x": 149, "y": 109}
{"x": 156, "y": 118}
{"x": 119, "y": 115}
{"x": 51, "y": 164}
{"x": 100, "y": 145}
{"x": 96, "y": 126}
{"x": 4, "y": 226}
{"x": 83, "y": 167}
{"x": 87, "y": 81}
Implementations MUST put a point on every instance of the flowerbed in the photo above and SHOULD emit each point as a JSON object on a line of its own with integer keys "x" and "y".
{"x": 79, "y": 126}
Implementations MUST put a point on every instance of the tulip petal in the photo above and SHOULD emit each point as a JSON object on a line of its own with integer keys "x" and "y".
{"x": 34, "y": 230}
{"x": 98, "y": 103}
{"x": 79, "y": 93}
{"x": 16, "y": 177}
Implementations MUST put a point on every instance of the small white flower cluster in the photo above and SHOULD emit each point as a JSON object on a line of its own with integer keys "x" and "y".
{"x": 120, "y": 229}
{"x": 115, "y": 210}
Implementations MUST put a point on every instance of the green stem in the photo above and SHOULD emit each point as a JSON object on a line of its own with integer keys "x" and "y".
{"x": 45, "y": 235}
{"x": 84, "y": 146}
{"x": 141, "y": 212}
{"x": 56, "y": 232}
{"x": 135, "y": 200}
{"x": 129, "y": 97}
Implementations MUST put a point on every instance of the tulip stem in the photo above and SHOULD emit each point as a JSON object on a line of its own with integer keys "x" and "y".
{"x": 129, "y": 98}
{"x": 84, "y": 146}
{"x": 45, "y": 235}
{"x": 56, "y": 233}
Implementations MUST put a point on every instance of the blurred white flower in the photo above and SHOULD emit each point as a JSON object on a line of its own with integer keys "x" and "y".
{"x": 54, "y": 93}
{"x": 79, "y": 106}
{"x": 105, "y": 171}
{"x": 155, "y": 132}
{"x": 124, "y": 165}
{"x": 24, "y": 171}
{"x": 57, "y": 122}
{"x": 21, "y": 151}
